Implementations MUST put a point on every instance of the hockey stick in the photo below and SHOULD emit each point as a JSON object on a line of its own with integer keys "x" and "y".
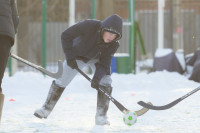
{"x": 167, "y": 106}
{"x": 41, "y": 69}
{"x": 119, "y": 105}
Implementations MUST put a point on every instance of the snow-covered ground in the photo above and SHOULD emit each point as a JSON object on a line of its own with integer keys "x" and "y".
{"x": 75, "y": 111}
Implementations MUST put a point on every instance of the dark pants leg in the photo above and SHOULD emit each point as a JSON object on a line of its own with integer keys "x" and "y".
{"x": 5, "y": 46}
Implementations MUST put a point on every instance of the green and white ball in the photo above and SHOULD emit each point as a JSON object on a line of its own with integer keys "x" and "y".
{"x": 130, "y": 118}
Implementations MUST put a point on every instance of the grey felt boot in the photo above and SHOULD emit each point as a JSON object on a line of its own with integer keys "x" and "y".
{"x": 102, "y": 107}
{"x": 54, "y": 94}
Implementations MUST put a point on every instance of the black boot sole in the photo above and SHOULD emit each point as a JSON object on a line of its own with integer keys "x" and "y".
{"x": 38, "y": 116}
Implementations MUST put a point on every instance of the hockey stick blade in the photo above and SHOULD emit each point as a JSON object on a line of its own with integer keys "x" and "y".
{"x": 118, "y": 105}
{"x": 152, "y": 107}
{"x": 143, "y": 110}
{"x": 56, "y": 75}
{"x": 167, "y": 106}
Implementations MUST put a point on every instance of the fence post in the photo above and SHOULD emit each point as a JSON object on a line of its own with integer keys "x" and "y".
{"x": 71, "y": 12}
{"x": 94, "y": 9}
{"x": 44, "y": 33}
{"x": 132, "y": 35}
{"x": 161, "y": 5}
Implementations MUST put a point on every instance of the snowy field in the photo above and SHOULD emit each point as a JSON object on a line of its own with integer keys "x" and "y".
{"x": 75, "y": 111}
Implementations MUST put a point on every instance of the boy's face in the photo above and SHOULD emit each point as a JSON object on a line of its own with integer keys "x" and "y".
{"x": 108, "y": 36}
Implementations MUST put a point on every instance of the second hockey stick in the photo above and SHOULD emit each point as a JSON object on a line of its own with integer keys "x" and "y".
{"x": 167, "y": 106}
{"x": 41, "y": 69}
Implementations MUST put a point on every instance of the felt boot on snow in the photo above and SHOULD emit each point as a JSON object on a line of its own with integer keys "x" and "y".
{"x": 52, "y": 98}
{"x": 102, "y": 107}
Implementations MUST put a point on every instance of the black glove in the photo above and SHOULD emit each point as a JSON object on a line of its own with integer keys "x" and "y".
{"x": 95, "y": 83}
{"x": 72, "y": 63}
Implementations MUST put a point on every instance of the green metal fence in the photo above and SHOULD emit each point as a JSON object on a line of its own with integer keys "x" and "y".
{"x": 43, "y": 21}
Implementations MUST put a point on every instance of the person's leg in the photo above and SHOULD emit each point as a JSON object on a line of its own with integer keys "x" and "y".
{"x": 102, "y": 100}
{"x": 51, "y": 100}
{"x": 1, "y": 104}
{"x": 57, "y": 89}
{"x": 68, "y": 73}
{"x": 5, "y": 46}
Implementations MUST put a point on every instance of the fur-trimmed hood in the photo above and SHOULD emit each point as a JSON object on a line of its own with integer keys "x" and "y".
{"x": 113, "y": 24}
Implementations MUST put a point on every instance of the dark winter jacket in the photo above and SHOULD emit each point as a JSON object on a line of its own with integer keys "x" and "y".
{"x": 8, "y": 18}
{"x": 84, "y": 41}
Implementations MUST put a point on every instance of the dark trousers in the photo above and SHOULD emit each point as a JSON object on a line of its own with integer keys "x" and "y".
{"x": 5, "y": 46}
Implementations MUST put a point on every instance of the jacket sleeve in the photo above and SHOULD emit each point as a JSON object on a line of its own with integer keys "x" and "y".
{"x": 103, "y": 66}
{"x": 8, "y": 18}
{"x": 70, "y": 34}
{"x": 15, "y": 16}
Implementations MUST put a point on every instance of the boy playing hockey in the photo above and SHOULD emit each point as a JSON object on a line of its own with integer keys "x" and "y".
{"x": 93, "y": 43}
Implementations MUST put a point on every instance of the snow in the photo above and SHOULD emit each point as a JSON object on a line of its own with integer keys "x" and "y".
{"x": 75, "y": 111}
{"x": 180, "y": 56}
{"x": 162, "y": 52}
